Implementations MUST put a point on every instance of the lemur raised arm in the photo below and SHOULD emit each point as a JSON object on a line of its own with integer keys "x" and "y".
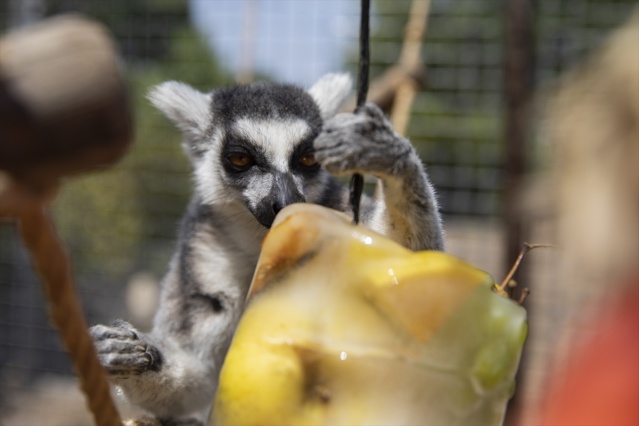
{"x": 254, "y": 149}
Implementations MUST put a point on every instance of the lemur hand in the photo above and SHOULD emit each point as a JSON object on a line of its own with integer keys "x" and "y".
{"x": 122, "y": 352}
{"x": 363, "y": 142}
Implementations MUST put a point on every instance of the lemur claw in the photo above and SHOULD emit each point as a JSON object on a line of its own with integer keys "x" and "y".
{"x": 362, "y": 142}
{"x": 122, "y": 353}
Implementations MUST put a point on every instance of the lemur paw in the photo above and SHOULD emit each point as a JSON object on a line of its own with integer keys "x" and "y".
{"x": 362, "y": 142}
{"x": 121, "y": 351}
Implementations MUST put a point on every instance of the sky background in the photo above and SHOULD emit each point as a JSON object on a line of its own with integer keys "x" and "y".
{"x": 295, "y": 41}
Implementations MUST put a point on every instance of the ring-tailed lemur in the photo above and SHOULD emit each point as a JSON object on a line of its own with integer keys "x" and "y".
{"x": 255, "y": 149}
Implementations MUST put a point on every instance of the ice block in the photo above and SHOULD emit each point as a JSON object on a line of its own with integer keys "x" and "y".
{"x": 344, "y": 326}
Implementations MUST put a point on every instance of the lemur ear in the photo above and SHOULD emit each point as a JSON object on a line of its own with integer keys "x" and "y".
{"x": 188, "y": 108}
{"x": 330, "y": 91}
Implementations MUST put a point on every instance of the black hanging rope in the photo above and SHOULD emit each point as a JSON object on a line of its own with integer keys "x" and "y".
{"x": 364, "y": 54}
{"x": 357, "y": 182}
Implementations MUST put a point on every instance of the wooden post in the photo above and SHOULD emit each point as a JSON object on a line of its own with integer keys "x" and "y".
{"x": 519, "y": 65}
{"x": 518, "y": 78}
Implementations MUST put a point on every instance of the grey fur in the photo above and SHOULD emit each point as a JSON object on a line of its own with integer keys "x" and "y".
{"x": 172, "y": 371}
{"x": 405, "y": 208}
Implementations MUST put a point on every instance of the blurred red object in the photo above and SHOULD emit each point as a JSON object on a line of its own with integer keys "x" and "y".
{"x": 600, "y": 384}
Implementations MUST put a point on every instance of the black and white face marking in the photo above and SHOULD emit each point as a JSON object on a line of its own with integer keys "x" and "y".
{"x": 251, "y": 145}
{"x": 269, "y": 161}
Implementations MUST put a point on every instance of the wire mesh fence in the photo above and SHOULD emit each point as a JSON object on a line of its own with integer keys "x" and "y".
{"x": 120, "y": 225}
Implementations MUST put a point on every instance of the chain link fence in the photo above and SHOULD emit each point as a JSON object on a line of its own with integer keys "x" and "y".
{"x": 120, "y": 225}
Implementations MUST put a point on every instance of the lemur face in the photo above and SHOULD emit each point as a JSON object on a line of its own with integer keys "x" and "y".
{"x": 266, "y": 140}
{"x": 270, "y": 163}
{"x": 253, "y": 145}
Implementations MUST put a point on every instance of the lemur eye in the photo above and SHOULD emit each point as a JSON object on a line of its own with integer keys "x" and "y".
{"x": 307, "y": 160}
{"x": 241, "y": 161}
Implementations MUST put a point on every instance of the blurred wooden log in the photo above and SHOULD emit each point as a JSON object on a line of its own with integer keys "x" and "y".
{"x": 63, "y": 103}
{"x": 519, "y": 67}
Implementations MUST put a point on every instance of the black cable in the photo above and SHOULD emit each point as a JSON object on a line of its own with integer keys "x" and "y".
{"x": 357, "y": 182}
{"x": 357, "y": 187}
{"x": 364, "y": 54}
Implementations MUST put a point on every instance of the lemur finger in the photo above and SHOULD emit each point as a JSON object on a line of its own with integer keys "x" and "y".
{"x": 119, "y": 346}
{"x": 101, "y": 332}
{"x": 338, "y": 161}
{"x": 125, "y": 364}
{"x": 125, "y": 326}
{"x": 359, "y": 129}
{"x": 117, "y": 330}
{"x": 346, "y": 155}
{"x": 141, "y": 358}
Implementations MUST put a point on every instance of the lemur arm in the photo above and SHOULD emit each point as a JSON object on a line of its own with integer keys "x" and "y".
{"x": 155, "y": 374}
{"x": 405, "y": 208}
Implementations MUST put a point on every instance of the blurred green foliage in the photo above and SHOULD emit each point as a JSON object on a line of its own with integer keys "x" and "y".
{"x": 126, "y": 218}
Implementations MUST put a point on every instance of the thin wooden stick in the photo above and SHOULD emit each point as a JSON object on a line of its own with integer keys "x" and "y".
{"x": 524, "y": 294}
{"x": 525, "y": 249}
{"x": 409, "y": 58}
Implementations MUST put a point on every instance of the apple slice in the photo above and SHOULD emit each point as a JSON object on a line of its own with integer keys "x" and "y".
{"x": 347, "y": 327}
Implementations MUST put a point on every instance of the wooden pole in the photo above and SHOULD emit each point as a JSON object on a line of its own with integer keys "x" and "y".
{"x": 519, "y": 65}
{"x": 519, "y": 62}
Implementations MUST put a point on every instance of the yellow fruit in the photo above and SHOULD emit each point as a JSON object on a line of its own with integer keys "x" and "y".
{"x": 347, "y": 327}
